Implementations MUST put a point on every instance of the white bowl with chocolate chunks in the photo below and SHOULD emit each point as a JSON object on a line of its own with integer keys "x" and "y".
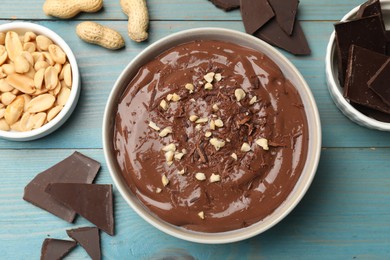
{"x": 39, "y": 81}
{"x": 211, "y": 135}
{"x": 358, "y": 65}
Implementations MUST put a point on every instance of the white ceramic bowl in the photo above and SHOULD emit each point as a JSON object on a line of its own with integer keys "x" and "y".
{"x": 289, "y": 71}
{"x": 335, "y": 89}
{"x": 22, "y": 27}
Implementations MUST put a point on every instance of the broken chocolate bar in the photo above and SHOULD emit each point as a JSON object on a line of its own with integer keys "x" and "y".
{"x": 366, "y": 32}
{"x": 255, "y": 13}
{"x": 375, "y": 114}
{"x": 285, "y": 12}
{"x": 227, "y": 5}
{"x": 89, "y": 239}
{"x": 77, "y": 168}
{"x": 274, "y": 35}
{"x": 92, "y": 201}
{"x": 56, "y": 248}
{"x": 379, "y": 83}
{"x": 369, "y": 8}
{"x": 362, "y": 65}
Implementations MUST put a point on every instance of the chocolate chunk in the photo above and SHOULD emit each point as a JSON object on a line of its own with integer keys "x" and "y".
{"x": 273, "y": 34}
{"x": 226, "y": 5}
{"x": 379, "y": 83}
{"x": 285, "y": 12}
{"x": 56, "y": 248}
{"x": 89, "y": 239}
{"x": 365, "y": 32}
{"x": 374, "y": 114}
{"x": 77, "y": 168}
{"x": 92, "y": 201}
{"x": 369, "y": 8}
{"x": 362, "y": 65}
{"x": 255, "y": 13}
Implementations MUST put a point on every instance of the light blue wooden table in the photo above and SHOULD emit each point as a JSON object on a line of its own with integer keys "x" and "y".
{"x": 345, "y": 214}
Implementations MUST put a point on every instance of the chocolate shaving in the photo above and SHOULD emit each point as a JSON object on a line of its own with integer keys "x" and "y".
{"x": 201, "y": 153}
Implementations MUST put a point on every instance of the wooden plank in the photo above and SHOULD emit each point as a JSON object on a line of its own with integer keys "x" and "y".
{"x": 344, "y": 215}
{"x": 196, "y": 10}
{"x": 100, "y": 68}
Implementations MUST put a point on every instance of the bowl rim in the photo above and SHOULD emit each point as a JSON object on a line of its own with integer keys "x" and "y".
{"x": 74, "y": 93}
{"x": 335, "y": 89}
{"x": 203, "y": 237}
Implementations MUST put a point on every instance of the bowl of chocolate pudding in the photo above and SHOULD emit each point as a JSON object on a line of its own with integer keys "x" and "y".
{"x": 211, "y": 135}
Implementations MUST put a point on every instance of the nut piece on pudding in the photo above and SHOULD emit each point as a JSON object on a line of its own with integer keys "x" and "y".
{"x": 234, "y": 152}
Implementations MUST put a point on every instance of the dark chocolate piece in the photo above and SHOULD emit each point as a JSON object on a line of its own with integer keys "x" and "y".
{"x": 362, "y": 65}
{"x": 227, "y": 5}
{"x": 77, "y": 168}
{"x": 255, "y": 13}
{"x": 285, "y": 12}
{"x": 89, "y": 239}
{"x": 92, "y": 201}
{"x": 373, "y": 113}
{"x": 365, "y": 32}
{"x": 273, "y": 34}
{"x": 369, "y": 8}
{"x": 379, "y": 83}
{"x": 53, "y": 249}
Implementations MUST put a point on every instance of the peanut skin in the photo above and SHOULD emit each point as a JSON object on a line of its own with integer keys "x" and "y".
{"x": 138, "y": 23}
{"x": 66, "y": 9}
{"x": 101, "y": 35}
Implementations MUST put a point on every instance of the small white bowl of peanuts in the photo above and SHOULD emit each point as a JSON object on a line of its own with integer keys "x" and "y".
{"x": 39, "y": 81}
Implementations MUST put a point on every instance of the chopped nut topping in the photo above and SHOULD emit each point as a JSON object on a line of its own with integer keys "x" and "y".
{"x": 207, "y": 134}
{"x": 169, "y": 97}
{"x": 170, "y": 163}
{"x": 217, "y": 143}
{"x": 215, "y": 107}
{"x": 202, "y": 120}
{"x": 200, "y": 83}
{"x": 240, "y": 94}
{"x": 200, "y": 176}
{"x": 263, "y": 143}
{"x": 164, "y": 105}
{"x": 192, "y": 100}
{"x": 245, "y": 147}
{"x": 198, "y": 127}
{"x": 201, "y": 214}
{"x": 218, "y": 77}
{"x": 208, "y": 86}
{"x": 166, "y": 131}
{"x": 212, "y": 125}
{"x": 218, "y": 123}
{"x": 190, "y": 87}
{"x": 169, "y": 156}
{"x": 193, "y": 118}
{"x": 175, "y": 97}
{"x": 181, "y": 172}
{"x": 154, "y": 126}
{"x": 234, "y": 156}
{"x": 169, "y": 147}
{"x": 209, "y": 77}
{"x": 228, "y": 140}
{"x": 178, "y": 156}
{"x": 184, "y": 151}
{"x": 215, "y": 178}
{"x": 158, "y": 190}
{"x": 164, "y": 180}
{"x": 253, "y": 100}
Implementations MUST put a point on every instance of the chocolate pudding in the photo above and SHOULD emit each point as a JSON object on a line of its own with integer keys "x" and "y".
{"x": 211, "y": 136}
